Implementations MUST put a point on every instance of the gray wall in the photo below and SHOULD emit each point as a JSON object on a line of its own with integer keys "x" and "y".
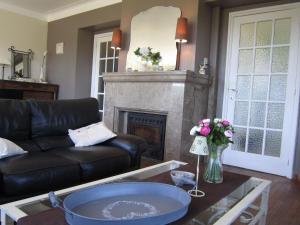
{"x": 72, "y": 70}
{"x": 222, "y": 64}
{"x": 24, "y": 33}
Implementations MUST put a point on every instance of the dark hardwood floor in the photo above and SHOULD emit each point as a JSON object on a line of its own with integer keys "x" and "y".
{"x": 284, "y": 202}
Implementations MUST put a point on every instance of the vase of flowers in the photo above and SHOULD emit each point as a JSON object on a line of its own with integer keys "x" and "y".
{"x": 148, "y": 58}
{"x": 219, "y": 135}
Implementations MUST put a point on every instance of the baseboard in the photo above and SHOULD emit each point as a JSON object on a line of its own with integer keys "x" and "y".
{"x": 296, "y": 178}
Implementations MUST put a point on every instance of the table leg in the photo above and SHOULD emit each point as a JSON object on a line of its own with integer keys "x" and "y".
{"x": 264, "y": 206}
{"x": 3, "y": 218}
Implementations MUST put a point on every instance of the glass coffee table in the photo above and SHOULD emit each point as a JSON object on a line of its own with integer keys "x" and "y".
{"x": 248, "y": 204}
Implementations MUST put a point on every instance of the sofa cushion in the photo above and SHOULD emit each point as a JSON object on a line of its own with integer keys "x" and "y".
{"x": 56, "y": 117}
{"x": 9, "y": 149}
{"x": 93, "y": 134}
{"x": 51, "y": 142}
{"x": 97, "y": 161}
{"x": 14, "y": 119}
{"x": 28, "y": 145}
{"x": 38, "y": 171}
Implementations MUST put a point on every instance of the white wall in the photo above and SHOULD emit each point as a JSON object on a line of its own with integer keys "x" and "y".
{"x": 24, "y": 33}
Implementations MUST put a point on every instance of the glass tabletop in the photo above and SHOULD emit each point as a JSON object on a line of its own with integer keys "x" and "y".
{"x": 209, "y": 216}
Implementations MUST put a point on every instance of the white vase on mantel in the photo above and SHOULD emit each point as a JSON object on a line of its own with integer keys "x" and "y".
{"x": 145, "y": 66}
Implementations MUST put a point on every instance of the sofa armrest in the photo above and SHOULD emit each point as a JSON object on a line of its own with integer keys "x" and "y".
{"x": 134, "y": 145}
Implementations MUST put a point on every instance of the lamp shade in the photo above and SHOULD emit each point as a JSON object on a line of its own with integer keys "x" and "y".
{"x": 199, "y": 146}
{"x": 182, "y": 30}
{"x": 116, "y": 42}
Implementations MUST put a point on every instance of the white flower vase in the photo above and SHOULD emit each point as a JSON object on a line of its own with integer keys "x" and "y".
{"x": 145, "y": 66}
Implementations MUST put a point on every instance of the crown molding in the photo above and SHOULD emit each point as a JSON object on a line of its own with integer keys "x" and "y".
{"x": 62, "y": 12}
{"x": 22, "y": 11}
{"x": 79, "y": 8}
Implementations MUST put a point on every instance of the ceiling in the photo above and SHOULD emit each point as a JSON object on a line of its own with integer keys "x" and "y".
{"x": 50, "y": 10}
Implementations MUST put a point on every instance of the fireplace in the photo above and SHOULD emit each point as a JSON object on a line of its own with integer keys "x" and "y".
{"x": 150, "y": 126}
{"x": 180, "y": 96}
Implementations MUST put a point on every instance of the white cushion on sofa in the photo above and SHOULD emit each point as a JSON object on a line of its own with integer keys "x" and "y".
{"x": 8, "y": 148}
{"x": 90, "y": 135}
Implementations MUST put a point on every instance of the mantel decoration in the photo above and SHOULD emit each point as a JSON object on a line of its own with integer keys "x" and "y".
{"x": 147, "y": 56}
{"x": 218, "y": 134}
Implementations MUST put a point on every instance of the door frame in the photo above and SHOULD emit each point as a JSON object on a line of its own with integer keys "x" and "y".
{"x": 95, "y": 69}
{"x": 296, "y": 95}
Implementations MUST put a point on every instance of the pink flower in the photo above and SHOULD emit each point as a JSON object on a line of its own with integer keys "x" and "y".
{"x": 225, "y": 123}
{"x": 205, "y": 131}
{"x": 228, "y": 133}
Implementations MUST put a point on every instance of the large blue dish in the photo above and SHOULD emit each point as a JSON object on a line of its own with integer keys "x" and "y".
{"x": 132, "y": 203}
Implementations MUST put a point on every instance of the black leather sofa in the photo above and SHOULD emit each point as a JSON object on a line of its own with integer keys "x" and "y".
{"x": 41, "y": 128}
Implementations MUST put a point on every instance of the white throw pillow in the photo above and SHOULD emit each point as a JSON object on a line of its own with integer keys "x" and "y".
{"x": 8, "y": 148}
{"x": 90, "y": 135}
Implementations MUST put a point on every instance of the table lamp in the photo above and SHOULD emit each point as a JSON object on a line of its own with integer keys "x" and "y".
{"x": 199, "y": 147}
{"x": 4, "y": 63}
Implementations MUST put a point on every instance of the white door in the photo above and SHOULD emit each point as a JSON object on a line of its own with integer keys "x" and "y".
{"x": 105, "y": 60}
{"x": 262, "y": 89}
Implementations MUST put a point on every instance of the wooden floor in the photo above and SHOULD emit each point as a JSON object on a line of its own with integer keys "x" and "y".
{"x": 284, "y": 203}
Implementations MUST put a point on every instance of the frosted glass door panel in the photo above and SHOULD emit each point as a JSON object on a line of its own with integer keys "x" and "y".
{"x": 247, "y": 35}
{"x": 245, "y": 61}
{"x": 282, "y": 31}
{"x": 262, "y": 88}
{"x": 264, "y": 33}
{"x": 261, "y": 83}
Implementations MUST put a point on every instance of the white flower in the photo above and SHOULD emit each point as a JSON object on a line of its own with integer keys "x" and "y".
{"x": 193, "y": 131}
{"x": 217, "y": 120}
{"x": 219, "y": 125}
{"x": 144, "y": 51}
{"x": 206, "y": 121}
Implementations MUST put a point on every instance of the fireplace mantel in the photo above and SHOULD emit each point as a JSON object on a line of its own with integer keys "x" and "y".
{"x": 159, "y": 76}
{"x": 180, "y": 95}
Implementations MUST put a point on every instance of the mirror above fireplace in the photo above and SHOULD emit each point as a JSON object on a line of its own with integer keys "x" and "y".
{"x": 154, "y": 28}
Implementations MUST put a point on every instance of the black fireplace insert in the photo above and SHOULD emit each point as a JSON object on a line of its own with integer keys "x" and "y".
{"x": 151, "y": 127}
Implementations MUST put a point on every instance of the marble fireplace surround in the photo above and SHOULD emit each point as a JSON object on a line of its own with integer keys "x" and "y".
{"x": 180, "y": 95}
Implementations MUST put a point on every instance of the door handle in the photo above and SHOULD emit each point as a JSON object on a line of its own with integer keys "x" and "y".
{"x": 233, "y": 89}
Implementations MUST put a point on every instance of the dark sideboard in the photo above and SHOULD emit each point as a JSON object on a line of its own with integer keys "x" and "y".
{"x": 27, "y": 90}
